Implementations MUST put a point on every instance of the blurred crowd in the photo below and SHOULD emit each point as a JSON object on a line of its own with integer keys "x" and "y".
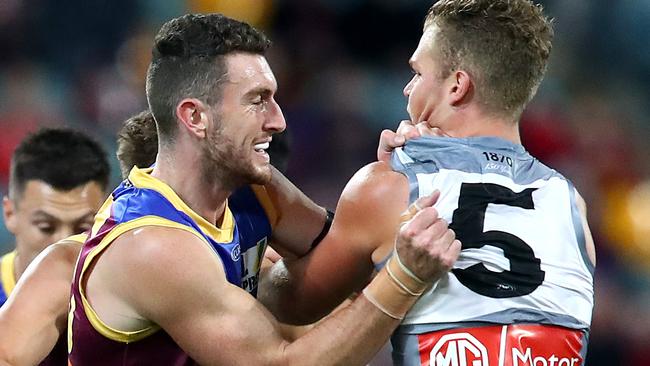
{"x": 341, "y": 66}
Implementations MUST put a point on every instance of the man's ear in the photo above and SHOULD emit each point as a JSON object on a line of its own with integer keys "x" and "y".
{"x": 191, "y": 113}
{"x": 9, "y": 214}
{"x": 461, "y": 89}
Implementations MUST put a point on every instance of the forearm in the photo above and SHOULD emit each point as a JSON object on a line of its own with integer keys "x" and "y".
{"x": 295, "y": 293}
{"x": 350, "y": 337}
{"x": 24, "y": 349}
{"x": 278, "y": 292}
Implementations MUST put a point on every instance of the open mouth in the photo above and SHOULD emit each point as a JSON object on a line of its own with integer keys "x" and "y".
{"x": 261, "y": 148}
{"x": 260, "y": 151}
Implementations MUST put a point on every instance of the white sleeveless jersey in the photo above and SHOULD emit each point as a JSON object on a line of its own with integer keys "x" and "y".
{"x": 523, "y": 257}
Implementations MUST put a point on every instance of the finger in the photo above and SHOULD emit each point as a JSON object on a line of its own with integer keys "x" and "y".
{"x": 450, "y": 257}
{"x": 436, "y": 236}
{"x": 388, "y": 141}
{"x": 272, "y": 255}
{"x": 425, "y": 129}
{"x": 447, "y": 238}
{"x": 419, "y": 204}
{"x": 405, "y": 127}
{"x": 421, "y": 222}
{"x": 408, "y": 129}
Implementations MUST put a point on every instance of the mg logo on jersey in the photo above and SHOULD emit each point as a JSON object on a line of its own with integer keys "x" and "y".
{"x": 509, "y": 345}
{"x": 459, "y": 349}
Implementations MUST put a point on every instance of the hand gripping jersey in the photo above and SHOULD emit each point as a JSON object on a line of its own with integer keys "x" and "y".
{"x": 521, "y": 292}
{"x": 139, "y": 201}
{"x": 7, "y": 278}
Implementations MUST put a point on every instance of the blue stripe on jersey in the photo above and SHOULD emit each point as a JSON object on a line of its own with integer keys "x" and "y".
{"x": 130, "y": 203}
{"x": 254, "y": 227}
{"x": 251, "y": 219}
{"x": 3, "y": 296}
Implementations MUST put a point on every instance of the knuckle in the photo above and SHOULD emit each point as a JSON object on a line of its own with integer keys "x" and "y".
{"x": 408, "y": 232}
{"x": 451, "y": 235}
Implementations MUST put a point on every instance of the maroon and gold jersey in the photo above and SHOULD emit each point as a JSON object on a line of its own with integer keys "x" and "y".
{"x": 142, "y": 201}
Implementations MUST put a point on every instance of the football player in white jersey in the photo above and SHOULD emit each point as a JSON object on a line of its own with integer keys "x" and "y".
{"x": 521, "y": 292}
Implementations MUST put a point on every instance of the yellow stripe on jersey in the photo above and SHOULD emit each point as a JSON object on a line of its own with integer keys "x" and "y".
{"x": 78, "y": 238}
{"x": 73, "y": 307}
{"x": 266, "y": 203}
{"x": 7, "y": 275}
{"x": 102, "y": 215}
{"x": 142, "y": 178}
{"x": 98, "y": 324}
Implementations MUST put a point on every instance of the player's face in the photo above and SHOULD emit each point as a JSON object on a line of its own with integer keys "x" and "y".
{"x": 246, "y": 118}
{"x": 425, "y": 90}
{"x": 44, "y": 215}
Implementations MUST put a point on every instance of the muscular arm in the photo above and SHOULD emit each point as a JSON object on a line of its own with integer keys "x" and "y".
{"x": 216, "y": 323}
{"x": 299, "y": 220}
{"x": 35, "y": 315}
{"x": 367, "y": 216}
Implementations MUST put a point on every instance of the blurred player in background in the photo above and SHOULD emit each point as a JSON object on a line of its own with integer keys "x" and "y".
{"x": 57, "y": 182}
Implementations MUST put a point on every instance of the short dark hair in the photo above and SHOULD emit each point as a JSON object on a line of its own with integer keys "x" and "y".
{"x": 61, "y": 157}
{"x": 188, "y": 61}
{"x": 504, "y": 44}
{"x": 137, "y": 142}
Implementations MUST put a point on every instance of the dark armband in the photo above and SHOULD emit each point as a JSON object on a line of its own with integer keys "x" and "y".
{"x": 326, "y": 229}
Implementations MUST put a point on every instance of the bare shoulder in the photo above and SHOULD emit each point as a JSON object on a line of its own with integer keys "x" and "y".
{"x": 158, "y": 245}
{"x": 369, "y": 208}
{"x": 377, "y": 184}
{"x": 150, "y": 273}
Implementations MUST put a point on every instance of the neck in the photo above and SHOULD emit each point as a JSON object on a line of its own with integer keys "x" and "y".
{"x": 473, "y": 123}
{"x": 181, "y": 170}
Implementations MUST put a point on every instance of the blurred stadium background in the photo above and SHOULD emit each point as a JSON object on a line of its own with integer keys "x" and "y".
{"x": 341, "y": 66}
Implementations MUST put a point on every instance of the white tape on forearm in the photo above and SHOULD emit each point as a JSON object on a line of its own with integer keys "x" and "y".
{"x": 407, "y": 271}
{"x": 400, "y": 284}
{"x": 379, "y": 306}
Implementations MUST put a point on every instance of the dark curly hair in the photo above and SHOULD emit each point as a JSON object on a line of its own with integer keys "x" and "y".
{"x": 503, "y": 44}
{"x": 62, "y": 158}
{"x": 137, "y": 142}
{"x": 188, "y": 61}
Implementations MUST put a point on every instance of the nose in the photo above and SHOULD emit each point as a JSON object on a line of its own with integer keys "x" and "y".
{"x": 63, "y": 233}
{"x": 275, "y": 119}
{"x": 407, "y": 88}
